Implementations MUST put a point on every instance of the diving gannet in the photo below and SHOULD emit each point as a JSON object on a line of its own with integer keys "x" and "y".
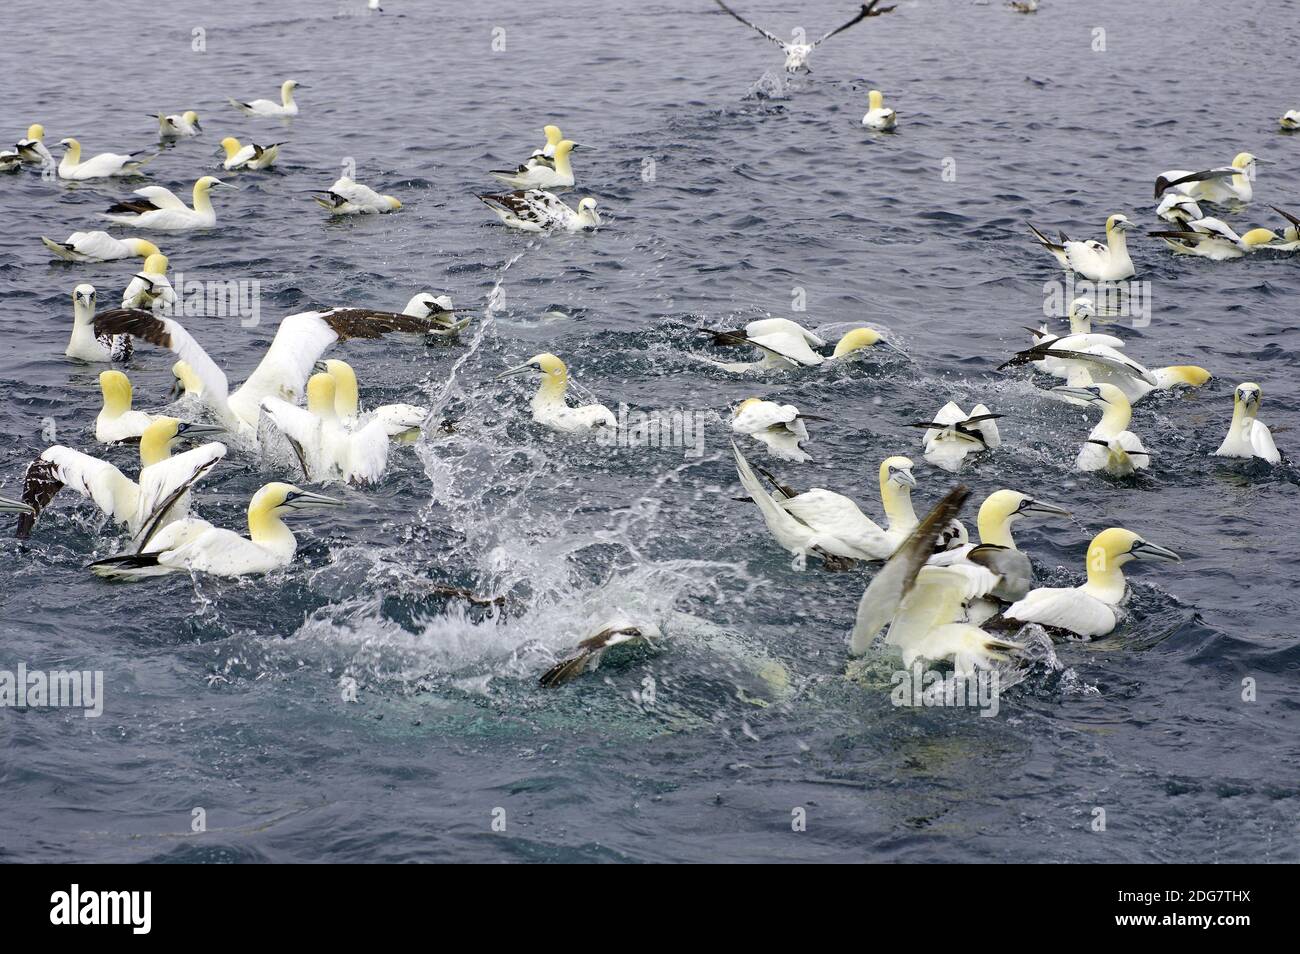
{"x": 299, "y": 342}
{"x": 952, "y": 434}
{"x": 395, "y": 418}
{"x": 196, "y": 546}
{"x": 618, "y": 630}
{"x": 536, "y": 210}
{"x": 1247, "y": 435}
{"x": 326, "y": 449}
{"x": 150, "y": 287}
{"x": 1176, "y": 207}
{"x": 878, "y": 115}
{"x": 251, "y": 156}
{"x": 266, "y": 107}
{"x": 32, "y": 147}
{"x": 1099, "y": 363}
{"x": 116, "y": 420}
{"x": 85, "y": 344}
{"x": 346, "y": 197}
{"x": 548, "y": 404}
{"x": 541, "y": 175}
{"x": 179, "y": 125}
{"x": 778, "y": 426}
{"x": 99, "y": 247}
{"x": 796, "y": 54}
{"x": 103, "y": 166}
{"x": 161, "y": 496}
{"x": 1092, "y": 260}
{"x": 1088, "y": 611}
{"x": 158, "y": 208}
{"x": 1290, "y": 120}
{"x": 1225, "y": 185}
{"x": 784, "y": 344}
{"x": 1110, "y": 446}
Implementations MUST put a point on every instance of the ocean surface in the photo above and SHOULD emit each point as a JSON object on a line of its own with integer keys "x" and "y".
{"x": 346, "y": 708}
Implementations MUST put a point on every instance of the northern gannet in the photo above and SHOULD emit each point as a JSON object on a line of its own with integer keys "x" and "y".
{"x": 778, "y": 426}
{"x": 251, "y": 156}
{"x": 1212, "y": 238}
{"x": 116, "y": 420}
{"x": 346, "y": 197}
{"x": 878, "y": 116}
{"x": 396, "y": 419}
{"x": 1176, "y": 207}
{"x": 553, "y": 138}
{"x": 1090, "y": 610}
{"x": 1100, "y": 363}
{"x": 1290, "y": 120}
{"x": 1092, "y": 260}
{"x": 10, "y": 161}
{"x": 325, "y": 447}
{"x": 953, "y": 434}
{"x": 85, "y": 344}
{"x": 32, "y": 147}
{"x": 609, "y": 633}
{"x": 1081, "y": 336}
{"x": 150, "y": 287}
{"x": 179, "y": 125}
{"x": 784, "y": 344}
{"x": 299, "y": 343}
{"x": 1110, "y": 446}
{"x": 1261, "y": 239}
{"x": 99, "y": 247}
{"x": 440, "y": 312}
{"x": 266, "y": 107}
{"x": 103, "y": 166}
{"x": 1023, "y": 6}
{"x": 185, "y": 383}
{"x": 1247, "y": 435}
{"x": 541, "y": 175}
{"x": 839, "y": 525}
{"x": 796, "y": 54}
{"x": 196, "y": 546}
{"x": 1225, "y": 185}
{"x": 161, "y": 496}
{"x": 548, "y": 403}
{"x": 158, "y": 208}
{"x": 536, "y": 210}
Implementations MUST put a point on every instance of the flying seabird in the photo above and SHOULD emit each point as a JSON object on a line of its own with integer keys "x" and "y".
{"x": 796, "y": 54}
{"x": 1247, "y": 435}
{"x": 1092, "y": 260}
{"x": 159, "y": 208}
{"x": 266, "y": 107}
{"x": 536, "y": 210}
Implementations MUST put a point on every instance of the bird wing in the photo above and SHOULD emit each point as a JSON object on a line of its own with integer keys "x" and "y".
{"x": 935, "y": 598}
{"x": 791, "y": 347}
{"x": 169, "y": 334}
{"x": 887, "y": 589}
{"x": 824, "y": 508}
{"x": 1010, "y": 575}
{"x": 301, "y": 428}
{"x": 1063, "y": 608}
{"x": 763, "y": 415}
{"x": 588, "y": 656}
{"x": 397, "y": 418}
{"x": 94, "y": 244}
{"x": 790, "y": 532}
{"x": 163, "y": 483}
{"x": 1164, "y": 183}
{"x": 161, "y": 198}
{"x": 753, "y": 26}
{"x": 98, "y": 480}
{"x": 1261, "y": 442}
{"x": 868, "y": 10}
{"x": 367, "y": 453}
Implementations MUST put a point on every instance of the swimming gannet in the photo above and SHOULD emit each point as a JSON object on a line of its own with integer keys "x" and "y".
{"x": 266, "y": 107}
{"x": 1110, "y": 446}
{"x": 553, "y": 138}
{"x": 548, "y": 404}
{"x": 618, "y": 630}
{"x": 99, "y": 247}
{"x": 796, "y": 54}
{"x": 158, "y": 208}
{"x": 116, "y": 420}
{"x": 299, "y": 343}
{"x": 1023, "y": 6}
{"x": 840, "y": 526}
{"x": 440, "y": 312}
{"x": 10, "y": 161}
{"x": 784, "y": 344}
{"x": 1225, "y": 185}
{"x": 1247, "y": 435}
{"x": 541, "y": 175}
{"x": 179, "y": 125}
{"x": 1081, "y": 336}
{"x": 778, "y": 426}
{"x": 1100, "y": 363}
{"x": 1092, "y": 260}
{"x": 952, "y": 434}
{"x": 1261, "y": 239}
{"x": 1290, "y": 119}
{"x": 150, "y": 287}
{"x": 85, "y": 344}
{"x": 1090, "y": 610}
{"x": 878, "y": 115}
{"x": 160, "y": 496}
{"x": 32, "y": 147}
{"x": 1212, "y": 238}
{"x": 346, "y": 197}
{"x": 536, "y": 210}
{"x": 1176, "y": 207}
{"x": 325, "y": 447}
{"x": 103, "y": 166}
{"x": 251, "y": 156}
{"x": 196, "y": 546}
{"x": 395, "y": 418}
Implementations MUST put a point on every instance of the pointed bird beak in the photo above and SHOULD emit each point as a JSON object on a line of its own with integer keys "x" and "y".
{"x": 1142, "y": 550}
{"x": 15, "y": 506}
{"x": 905, "y": 476}
{"x": 320, "y": 367}
{"x": 1038, "y": 506}
{"x": 892, "y": 347}
{"x": 511, "y": 372}
{"x": 1080, "y": 394}
{"x": 306, "y": 500}
{"x": 197, "y": 126}
{"x": 196, "y": 430}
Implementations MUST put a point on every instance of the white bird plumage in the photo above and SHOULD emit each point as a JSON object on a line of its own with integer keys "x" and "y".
{"x": 159, "y": 208}
{"x": 103, "y": 166}
{"x": 536, "y": 210}
{"x": 346, "y": 197}
{"x": 1247, "y": 435}
{"x": 548, "y": 405}
{"x": 780, "y": 427}
{"x": 269, "y": 108}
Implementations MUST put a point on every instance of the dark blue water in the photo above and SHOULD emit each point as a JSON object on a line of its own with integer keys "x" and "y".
{"x": 345, "y": 709}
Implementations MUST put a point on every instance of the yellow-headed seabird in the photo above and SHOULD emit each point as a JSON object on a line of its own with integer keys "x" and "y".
{"x": 326, "y": 448}
{"x": 878, "y": 116}
{"x": 796, "y": 54}
{"x": 116, "y": 420}
{"x": 346, "y": 197}
{"x": 179, "y": 125}
{"x": 32, "y": 147}
{"x": 549, "y": 407}
{"x": 251, "y": 156}
{"x": 267, "y": 107}
{"x": 1090, "y": 610}
{"x": 196, "y": 546}
{"x": 1110, "y": 446}
{"x": 85, "y": 344}
{"x": 150, "y": 286}
{"x": 535, "y": 174}
{"x": 396, "y": 419}
{"x": 1100, "y": 363}
{"x": 103, "y": 166}
{"x": 536, "y": 210}
{"x": 1290, "y": 120}
{"x": 1225, "y": 185}
{"x": 952, "y": 434}
{"x": 783, "y": 344}
{"x": 778, "y": 426}
{"x": 1212, "y": 238}
{"x": 1092, "y": 260}
{"x": 1247, "y": 435}
{"x": 99, "y": 247}
{"x": 159, "y": 208}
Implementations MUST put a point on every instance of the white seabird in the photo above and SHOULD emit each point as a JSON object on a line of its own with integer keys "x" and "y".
{"x": 179, "y": 125}
{"x": 953, "y": 434}
{"x": 878, "y": 115}
{"x": 196, "y": 546}
{"x": 346, "y": 197}
{"x": 1091, "y": 610}
{"x": 1226, "y": 185}
{"x": 1290, "y": 120}
{"x": 1092, "y": 260}
{"x": 536, "y": 210}
{"x": 1176, "y": 207}
{"x": 103, "y": 166}
{"x": 1100, "y": 363}
{"x": 796, "y": 53}
{"x": 99, "y": 247}
{"x": 1247, "y": 435}
{"x": 541, "y": 175}
{"x": 1110, "y": 446}
{"x": 783, "y": 344}
{"x": 159, "y": 497}
{"x": 548, "y": 405}
{"x": 150, "y": 286}
{"x": 116, "y": 420}
{"x": 251, "y": 156}
{"x": 778, "y": 426}
{"x": 1212, "y": 238}
{"x": 32, "y": 148}
{"x": 158, "y": 208}
{"x": 85, "y": 344}
{"x": 269, "y": 108}
{"x": 325, "y": 448}
{"x": 396, "y": 419}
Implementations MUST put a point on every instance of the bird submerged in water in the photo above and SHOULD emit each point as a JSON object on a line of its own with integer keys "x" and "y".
{"x": 1247, "y": 435}
{"x": 548, "y": 404}
{"x": 953, "y": 434}
{"x": 106, "y": 165}
{"x": 534, "y": 174}
{"x": 346, "y": 197}
{"x": 252, "y": 156}
{"x": 1212, "y": 238}
{"x": 1225, "y": 185}
{"x": 797, "y": 52}
{"x": 619, "y": 630}
{"x": 269, "y": 108}
{"x": 179, "y": 125}
{"x": 159, "y": 208}
{"x": 1091, "y": 610}
{"x": 1094, "y": 261}
{"x": 1290, "y": 120}
{"x": 878, "y": 115}
{"x": 85, "y": 344}
{"x": 778, "y": 426}
{"x": 196, "y": 546}
{"x": 536, "y": 210}
{"x": 99, "y": 247}
{"x": 1110, "y": 446}
{"x": 1103, "y": 364}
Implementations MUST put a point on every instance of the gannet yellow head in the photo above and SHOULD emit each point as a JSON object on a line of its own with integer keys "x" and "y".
{"x": 393, "y": 202}
{"x": 155, "y": 264}
{"x": 856, "y": 339}
{"x": 286, "y": 91}
{"x": 205, "y": 185}
{"x": 164, "y": 432}
{"x": 347, "y": 398}
{"x": 185, "y": 382}
{"x": 191, "y": 117}
{"x": 141, "y": 247}
{"x": 276, "y": 500}
{"x": 1118, "y": 223}
{"x": 1188, "y": 374}
{"x": 554, "y": 375}
{"x": 116, "y": 388}
{"x": 320, "y": 394}
{"x": 875, "y": 99}
{"x": 1257, "y": 237}
{"x": 231, "y": 145}
{"x": 1114, "y": 547}
{"x": 740, "y": 408}
{"x": 73, "y": 147}
{"x": 83, "y": 303}
{"x": 563, "y": 148}
{"x": 1243, "y": 161}
{"x": 553, "y": 135}
{"x": 1247, "y": 398}
{"x": 896, "y": 472}
{"x": 1002, "y": 508}
{"x": 35, "y": 132}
